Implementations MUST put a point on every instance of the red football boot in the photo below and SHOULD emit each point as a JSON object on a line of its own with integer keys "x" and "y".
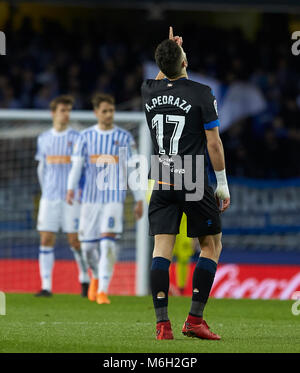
{"x": 198, "y": 330}
{"x": 164, "y": 330}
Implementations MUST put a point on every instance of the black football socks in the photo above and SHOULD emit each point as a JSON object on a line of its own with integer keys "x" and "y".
{"x": 159, "y": 280}
{"x": 203, "y": 279}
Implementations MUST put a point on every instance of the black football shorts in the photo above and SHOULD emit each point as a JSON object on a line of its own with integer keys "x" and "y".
{"x": 166, "y": 208}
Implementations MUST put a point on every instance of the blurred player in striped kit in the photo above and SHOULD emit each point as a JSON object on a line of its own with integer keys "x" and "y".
{"x": 102, "y": 150}
{"x": 54, "y": 150}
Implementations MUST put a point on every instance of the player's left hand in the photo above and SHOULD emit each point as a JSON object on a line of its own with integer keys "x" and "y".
{"x": 138, "y": 209}
{"x": 178, "y": 39}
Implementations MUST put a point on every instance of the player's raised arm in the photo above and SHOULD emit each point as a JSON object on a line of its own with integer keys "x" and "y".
{"x": 179, "y": 41}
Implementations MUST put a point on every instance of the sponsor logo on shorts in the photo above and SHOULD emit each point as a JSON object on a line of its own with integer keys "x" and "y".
{"x": 216, "y": 106}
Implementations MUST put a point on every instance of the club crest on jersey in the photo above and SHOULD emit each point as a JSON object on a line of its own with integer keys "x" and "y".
{"x": 216, "y": 106}
{"x": 70, "y": 143}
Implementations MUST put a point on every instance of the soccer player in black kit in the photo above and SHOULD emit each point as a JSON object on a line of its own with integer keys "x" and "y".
{"x": 183, "y": 122}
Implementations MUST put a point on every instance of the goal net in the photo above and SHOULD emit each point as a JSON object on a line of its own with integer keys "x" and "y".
{"x": 19, "y": 201}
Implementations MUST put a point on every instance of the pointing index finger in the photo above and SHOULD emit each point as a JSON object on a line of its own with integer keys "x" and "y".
{"x": 171, "y": 33}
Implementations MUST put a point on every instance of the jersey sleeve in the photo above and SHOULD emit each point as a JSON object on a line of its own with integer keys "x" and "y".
{"x": 39, "y": 155}
{"x": 209, "y": 110}
{"x": 80, "y": 148}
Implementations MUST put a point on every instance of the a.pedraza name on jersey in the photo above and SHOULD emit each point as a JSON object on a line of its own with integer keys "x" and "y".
{"x": 168, "y": 100}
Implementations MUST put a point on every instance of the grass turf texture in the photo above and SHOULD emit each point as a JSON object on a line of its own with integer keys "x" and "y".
{"x": 68, "y": 323}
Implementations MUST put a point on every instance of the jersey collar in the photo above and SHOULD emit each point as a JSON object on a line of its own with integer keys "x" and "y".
{"x": 104, "y": 132}
{"x": 60, "y": 133}
{"x": 171, "y": 81}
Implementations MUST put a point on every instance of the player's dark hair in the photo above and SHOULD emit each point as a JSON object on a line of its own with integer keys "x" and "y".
{"x": 98, "y": 98}
{"x": 168, "y": 57}
{"x": 63, "y": 99}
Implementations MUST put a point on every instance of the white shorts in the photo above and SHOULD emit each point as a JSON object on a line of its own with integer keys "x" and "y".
{"x": 56, "y": 215}
{"x": 97, "y": 218}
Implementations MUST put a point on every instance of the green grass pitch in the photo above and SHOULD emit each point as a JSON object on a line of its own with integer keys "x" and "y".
{"x": 68, "y": 323}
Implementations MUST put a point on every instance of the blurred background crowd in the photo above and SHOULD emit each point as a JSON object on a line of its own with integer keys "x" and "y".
{"x": 108, "y": 55}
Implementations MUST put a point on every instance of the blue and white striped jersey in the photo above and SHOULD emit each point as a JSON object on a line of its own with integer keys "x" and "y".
{"x": 105, "y": 154}
{"x": 55, "y": 149}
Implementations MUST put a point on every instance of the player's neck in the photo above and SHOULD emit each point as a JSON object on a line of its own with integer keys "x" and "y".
{"x": 105, "y": 127}
{"x": 60, "y": 127}
{"x": 182, "y": 75}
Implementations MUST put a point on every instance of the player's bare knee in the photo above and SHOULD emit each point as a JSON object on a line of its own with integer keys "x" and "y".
{"x": 47, "y": 239}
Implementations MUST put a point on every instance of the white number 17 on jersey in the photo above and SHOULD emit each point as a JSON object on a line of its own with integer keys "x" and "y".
{"x": 158, "y": 122}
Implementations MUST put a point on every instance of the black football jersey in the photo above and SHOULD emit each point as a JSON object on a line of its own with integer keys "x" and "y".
{"x": 178, "y": 113}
